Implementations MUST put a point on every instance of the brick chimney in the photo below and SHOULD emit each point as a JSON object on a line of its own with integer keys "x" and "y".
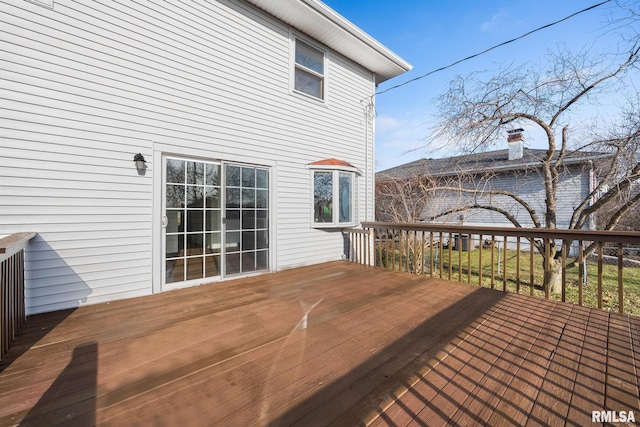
{"x": 516, "y": 143}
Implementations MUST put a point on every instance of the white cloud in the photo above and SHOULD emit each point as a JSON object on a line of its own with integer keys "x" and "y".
{"x": 399, "y": 141}
{"x": 387, "y": 124}
{"x": 495, "y": 20}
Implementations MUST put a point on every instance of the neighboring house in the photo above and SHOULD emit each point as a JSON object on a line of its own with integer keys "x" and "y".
{"x": 239, "y": 109}
{"x": 517, "y": 170}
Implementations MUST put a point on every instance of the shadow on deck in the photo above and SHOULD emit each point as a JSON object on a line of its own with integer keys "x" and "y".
{"x": 331, "y": 344}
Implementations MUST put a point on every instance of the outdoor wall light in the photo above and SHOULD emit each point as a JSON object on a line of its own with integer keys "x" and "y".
{"x": 140, "y": 162}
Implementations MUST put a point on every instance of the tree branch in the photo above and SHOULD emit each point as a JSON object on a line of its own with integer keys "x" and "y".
{"x": 530, "y": 210}
{"x": 633, "y": 56}
{"x": 609, "y": 195}
{"x": 504, "y": 212}
{"x": 621, "y": 212}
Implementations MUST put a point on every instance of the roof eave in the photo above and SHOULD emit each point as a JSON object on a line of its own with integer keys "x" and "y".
{"x": 508, "y": 167}
{"x": 325, "y": 25}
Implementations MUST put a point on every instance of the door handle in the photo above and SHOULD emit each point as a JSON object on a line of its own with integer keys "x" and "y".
{"x": 165, "y": 221}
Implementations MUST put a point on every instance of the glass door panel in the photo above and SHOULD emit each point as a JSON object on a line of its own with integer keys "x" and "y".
{"x": 246, "y": 214}
{"x": 193, "y": 220}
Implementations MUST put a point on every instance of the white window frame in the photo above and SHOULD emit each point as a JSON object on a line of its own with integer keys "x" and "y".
{"x": 335, "y": 200}
{"x": 294, "y": 66}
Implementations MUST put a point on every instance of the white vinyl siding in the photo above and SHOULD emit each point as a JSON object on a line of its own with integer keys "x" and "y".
{"x": 46, "y": 3}
{"x": 573, "y": 187}
{"x": 84, "y": 86}
{"x": 91, "y": 214}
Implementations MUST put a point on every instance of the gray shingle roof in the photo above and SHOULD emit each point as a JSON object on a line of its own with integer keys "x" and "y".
{"x": 478, "y": 162}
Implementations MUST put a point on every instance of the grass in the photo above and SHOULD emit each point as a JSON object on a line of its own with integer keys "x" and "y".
{"x": 522, "y": 284}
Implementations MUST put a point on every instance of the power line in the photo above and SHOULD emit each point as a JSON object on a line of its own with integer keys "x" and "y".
{"x": 493, "y": 47}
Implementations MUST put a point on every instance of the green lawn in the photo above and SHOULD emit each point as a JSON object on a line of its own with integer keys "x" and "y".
{"x": 631, "y": 277}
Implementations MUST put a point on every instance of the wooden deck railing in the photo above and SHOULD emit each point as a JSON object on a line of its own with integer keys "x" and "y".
{"x": 12, "y": 308}
{"x": 594, "y": 268}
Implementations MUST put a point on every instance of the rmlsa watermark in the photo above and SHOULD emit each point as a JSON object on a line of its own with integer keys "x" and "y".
{"x": 613, "y": 417}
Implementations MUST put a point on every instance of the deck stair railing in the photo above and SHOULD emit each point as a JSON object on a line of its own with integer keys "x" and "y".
{"x": 12, "y": 305}
{"x": 592, "y": 268}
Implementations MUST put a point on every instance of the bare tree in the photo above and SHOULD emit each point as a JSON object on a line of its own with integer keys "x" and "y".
{"x": 403, "y": 200}
{"x": 408, "y": 198}
{"x": 475, "y": 113}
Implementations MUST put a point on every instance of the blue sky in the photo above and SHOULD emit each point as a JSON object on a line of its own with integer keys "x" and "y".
{"x": 433, "y": 33}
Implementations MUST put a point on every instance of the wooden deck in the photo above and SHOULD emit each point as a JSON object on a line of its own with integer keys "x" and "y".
{"x": 377, "y": 347}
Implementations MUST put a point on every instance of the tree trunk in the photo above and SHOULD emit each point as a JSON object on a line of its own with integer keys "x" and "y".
{"x": 553, "y": 277}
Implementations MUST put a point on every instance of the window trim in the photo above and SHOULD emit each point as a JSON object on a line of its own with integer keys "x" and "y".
{"x": 335, "y": 170}
{"x": 294, "y": 66}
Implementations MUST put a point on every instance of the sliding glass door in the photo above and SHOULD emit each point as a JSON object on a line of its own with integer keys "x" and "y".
{"x": 216, "y": 219}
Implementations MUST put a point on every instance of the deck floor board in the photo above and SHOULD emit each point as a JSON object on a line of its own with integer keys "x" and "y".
{"x": 375, "y": 348}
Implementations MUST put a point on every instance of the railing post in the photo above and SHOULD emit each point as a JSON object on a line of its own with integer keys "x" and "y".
{"x": 565, "y": 248}
{"x": 493, "y": 271}
{"x": 372, "y": 247}
{"x": 4, "y": 307}
{"x": 408, "y": 251}
{"x": 504, "y": 263}
{"x": 518, "y": 265}
{"x": 450, "y": 259}
{"x": 387, "y": 248}
{"x": 620, "y": 281}
{"x": 531, "y": 266}
{"x": 480, "y": 265}
{"x": 600, "y": 275}
{"x": 459, "y": 244}
{"x": 547, "y": 267}
{"x": 12, "y": 293}
{"x": 440, "y": 255}
{"x": 469, "y": 250}
{"x": 422, "y": 243}
{"x": 431, "y": 260}
{"x": 581, "y": 273}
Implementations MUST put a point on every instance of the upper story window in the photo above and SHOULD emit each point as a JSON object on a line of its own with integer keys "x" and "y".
{"x": 309, "y": 74}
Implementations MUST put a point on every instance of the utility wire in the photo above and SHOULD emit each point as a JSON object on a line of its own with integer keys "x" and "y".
{"x": 491, "y": 48}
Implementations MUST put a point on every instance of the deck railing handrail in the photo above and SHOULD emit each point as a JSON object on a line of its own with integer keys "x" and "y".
{"x": 437, "y": 250}
{"x": 540, "y": 233}
{"x": 12, "y": 292}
